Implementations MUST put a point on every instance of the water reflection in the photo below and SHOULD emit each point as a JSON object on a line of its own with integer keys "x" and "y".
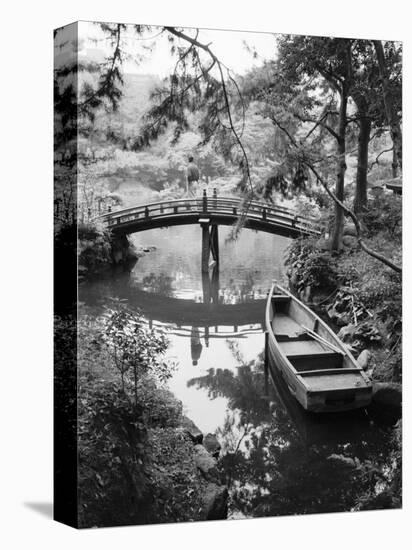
{"x": 277, "y": 459}
{"x": 195, "y": 345}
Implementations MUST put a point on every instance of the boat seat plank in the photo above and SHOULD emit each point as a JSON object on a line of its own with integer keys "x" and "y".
{"x": 280, "y": 298}
{"x": 298, "y": 347}
{"x": 323, "y": 372}
{"x": 292, "y": 338}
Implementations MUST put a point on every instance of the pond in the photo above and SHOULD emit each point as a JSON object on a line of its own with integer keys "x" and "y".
{"x": 276, "y": 458}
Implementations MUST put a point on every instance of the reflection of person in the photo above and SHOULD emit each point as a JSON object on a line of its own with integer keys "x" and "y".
{"x": 195, "y": 345}
{"x": 192, "y": 174}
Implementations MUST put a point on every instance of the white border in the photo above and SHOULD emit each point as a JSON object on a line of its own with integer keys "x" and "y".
{"x": 26, "y": 252}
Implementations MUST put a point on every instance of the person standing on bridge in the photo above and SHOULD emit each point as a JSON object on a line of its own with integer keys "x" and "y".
{"x": 192, "y": 175}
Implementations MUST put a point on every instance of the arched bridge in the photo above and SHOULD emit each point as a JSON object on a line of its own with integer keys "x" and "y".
{"x": 210, "y": 211}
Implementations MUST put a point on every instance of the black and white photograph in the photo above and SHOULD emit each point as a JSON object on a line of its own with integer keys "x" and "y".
{"x": 228, "y": 274}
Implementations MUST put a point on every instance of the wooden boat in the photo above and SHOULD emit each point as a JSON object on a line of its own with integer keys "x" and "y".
{"x": 318, "y": 369}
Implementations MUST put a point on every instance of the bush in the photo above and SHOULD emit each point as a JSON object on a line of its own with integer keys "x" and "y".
{"x": 94, "y": 248}
{"x": 384, "y": 215}
{"x": 134, "y": 465}
{"x": 113, "y": 487}
{"x": 310, "y": 266}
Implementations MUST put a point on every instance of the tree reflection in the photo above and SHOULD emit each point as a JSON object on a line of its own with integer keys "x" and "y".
{"x": 271, "y": 469}
{"x": 158, "y": 284}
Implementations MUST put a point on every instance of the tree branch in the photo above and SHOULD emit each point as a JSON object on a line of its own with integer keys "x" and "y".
{"x": 355, "y": 220}
{"x": 106, "y": 82}
{"x": 376, "y": 161}
{"x": 206, "y": 48}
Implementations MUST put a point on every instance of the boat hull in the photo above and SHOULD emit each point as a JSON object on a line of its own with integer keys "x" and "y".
{"x": 331, "y": 390}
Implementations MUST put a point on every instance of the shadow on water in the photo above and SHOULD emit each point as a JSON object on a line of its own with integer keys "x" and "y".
{"x": 278, "y": 459}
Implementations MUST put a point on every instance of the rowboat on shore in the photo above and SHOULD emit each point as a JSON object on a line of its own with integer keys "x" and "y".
{"x": 318, "y": 369}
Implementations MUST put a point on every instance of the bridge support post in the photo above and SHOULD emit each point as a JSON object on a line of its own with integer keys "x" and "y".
{"x": 214, "y": 243}
{"x": 266, "y": 364}
{"x": 210, "y": 247}
{"x": 205, "y": 247}
{"x": 204, "y": 201}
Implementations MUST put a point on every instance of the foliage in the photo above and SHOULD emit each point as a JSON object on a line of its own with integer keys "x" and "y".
{"x": 94, "y": 248}
{"x": 133, "y": 346}
{"x": 112, "y": 439}
{"x": 311, "y": 266}
{"x": 384, "y": 216}
{"x": 135, "y": 464}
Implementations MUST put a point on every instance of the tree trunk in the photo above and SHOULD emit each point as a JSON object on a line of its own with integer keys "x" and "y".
{"x": 360, "y": 200}
{"x": 336, "y": 243}
{"x": 391, "y": 115}
{"x": 394, "y": 164}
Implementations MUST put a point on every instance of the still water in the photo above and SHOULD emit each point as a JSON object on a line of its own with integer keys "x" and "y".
{"x": 276, "y": 459}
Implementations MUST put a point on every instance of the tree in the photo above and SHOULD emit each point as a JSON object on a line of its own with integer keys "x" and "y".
{"x": 387, "y": 78}
{"x": 331, "y": 59}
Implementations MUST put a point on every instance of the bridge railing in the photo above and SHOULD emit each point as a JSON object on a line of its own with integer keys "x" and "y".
{"x": 207, "y": 205}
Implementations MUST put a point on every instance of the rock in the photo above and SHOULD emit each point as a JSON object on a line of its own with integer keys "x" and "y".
{"x": 347, "y": 461}
{"x": 117, "y": 256}
{"x": 214, "y": 500}
{"x": 387, "y": 394}
{"x": 349, "y": 241}
{"x": 307, "y": 293}
{"x": 364, "y": 358}
{"x": 205, "y": 462}
{"x": 190, "y": 428}
{"x": 212, "y": 445}
{"x": 339, "y": 319}
{"x": 323, "y": 245}
{"x": 386, "y": 402}
{"x": 294, "y": 279}
{"x": 382, "y": 501}
{"x": 345, "y": 334}
{"x": 350, "y": 229}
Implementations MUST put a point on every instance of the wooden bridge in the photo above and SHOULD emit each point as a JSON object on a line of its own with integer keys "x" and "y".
{"x": 210, "y": 211}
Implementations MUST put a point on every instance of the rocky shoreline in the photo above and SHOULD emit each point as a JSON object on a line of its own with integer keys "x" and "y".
{"x": 206, "y": 452}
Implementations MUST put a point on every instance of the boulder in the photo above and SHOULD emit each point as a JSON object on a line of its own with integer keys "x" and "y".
{"x": 349, "y": 241}
{"x": 364, "y": 359}
{"x": 345, "y": 333}
{"x": 205, "y": 462}
{"x": 386, "y": 402}
{"x": 293, "y": 279}
{"x": 307, "y": 293}
{"x": 339, "y": 319}
{"x": 214, "y": 501}
{"x": 387, "y": 394}
{"x": 350, "y": 229}
{"x": 323, "y": 245}
{"x": 345, "y": 460}
{"x": 212, "y": 445}
{"x": 190, "y": 428}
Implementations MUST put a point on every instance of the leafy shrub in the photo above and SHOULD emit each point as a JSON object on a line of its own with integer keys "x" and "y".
{"x": 134, "y": 347}
{"x": 384, "y": 215}
{"x": 94, "y": 248}
{"x": 310, "y": 266}
{"x": 112, "y": 439}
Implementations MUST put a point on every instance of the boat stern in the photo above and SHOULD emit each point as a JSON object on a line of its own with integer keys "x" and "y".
{"x": 338, "y": 400}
